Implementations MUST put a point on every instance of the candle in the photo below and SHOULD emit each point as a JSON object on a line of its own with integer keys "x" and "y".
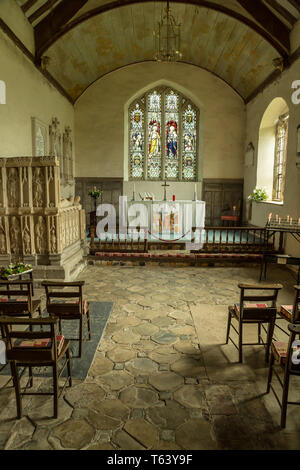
{"x": 270, "y": 216}
{"x": 291, "y": 220}
{"x": 195, "y": 187}
{"x": 299, "y": 221}
{"x": 276, "y": 217}
{"x": 94, "y": 189}
{"x": 288, "y": 218}
{"x": 279, "y": 220}
{"x": 134, "y": 187}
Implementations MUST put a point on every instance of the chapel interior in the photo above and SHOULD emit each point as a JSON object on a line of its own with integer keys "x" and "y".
{"x": 149, "y": 225}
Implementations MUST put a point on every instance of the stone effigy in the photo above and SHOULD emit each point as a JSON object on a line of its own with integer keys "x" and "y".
{"x": 36, "y": 226}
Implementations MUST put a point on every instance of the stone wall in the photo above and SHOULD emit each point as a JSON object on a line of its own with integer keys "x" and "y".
{"x": 36, "y": 226}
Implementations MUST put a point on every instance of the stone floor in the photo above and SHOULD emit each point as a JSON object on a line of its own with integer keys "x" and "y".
{"x": 162, "y": 377}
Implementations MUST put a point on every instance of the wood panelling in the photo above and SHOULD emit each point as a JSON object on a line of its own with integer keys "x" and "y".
{"x": 220, "y": 197}
{"x": 111, "y": 191}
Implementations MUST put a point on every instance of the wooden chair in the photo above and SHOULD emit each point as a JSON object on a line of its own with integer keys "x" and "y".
{"x": 251, "y": 312}
{"x": 77, "y": 309}
{"x": 16, "y": 299}
{"x": 291, "y": 313}
{"x": 27, "y": 347}
{"x": 288, "y": 356}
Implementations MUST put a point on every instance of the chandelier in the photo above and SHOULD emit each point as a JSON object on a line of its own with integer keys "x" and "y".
{"x": 167, "y": 38}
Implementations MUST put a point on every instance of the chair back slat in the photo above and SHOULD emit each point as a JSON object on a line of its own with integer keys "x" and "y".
{"x": 61, "y": 295}
{"x": 255, "y": 298}
{"x": 261, "y": 314}
{"x": 13, "y": 292}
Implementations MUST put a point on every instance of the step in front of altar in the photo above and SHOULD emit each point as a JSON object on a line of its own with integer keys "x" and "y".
{"x": 174, "y": 258}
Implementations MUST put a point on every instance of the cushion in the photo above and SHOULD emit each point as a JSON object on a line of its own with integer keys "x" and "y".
{"x": 40, "y": 343}
{"x": 250, "y": 305}
{"x": 279, "y": 349}
{"x": 286, "y": 311}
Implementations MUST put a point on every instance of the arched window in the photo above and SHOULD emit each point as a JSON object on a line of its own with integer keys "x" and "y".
{"x": 163, "y": 137}
{"x": 272, "y": 149}
{"x": 2, "y": 92}
{"x": 281, "y": 137}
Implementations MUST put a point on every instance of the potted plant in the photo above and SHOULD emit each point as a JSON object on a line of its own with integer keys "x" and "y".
{"x": 258, "y": 195}
{"x": 14, "y": 268}
{"x": 95, "y": 194}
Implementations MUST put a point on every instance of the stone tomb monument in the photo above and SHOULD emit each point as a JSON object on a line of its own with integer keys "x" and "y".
{"x": 36, "y": 226}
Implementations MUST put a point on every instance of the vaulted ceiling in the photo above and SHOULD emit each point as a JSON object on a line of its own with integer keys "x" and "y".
{"x": 236, "y": 40}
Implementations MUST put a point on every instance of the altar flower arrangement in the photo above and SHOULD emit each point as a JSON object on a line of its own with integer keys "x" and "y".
{"x": 258, "y": 195}
{"x": 95, "y": 194}
{"x": 13, "y": 268}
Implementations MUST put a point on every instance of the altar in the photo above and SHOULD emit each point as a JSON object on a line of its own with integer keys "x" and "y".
{"x": 167, "y": 220}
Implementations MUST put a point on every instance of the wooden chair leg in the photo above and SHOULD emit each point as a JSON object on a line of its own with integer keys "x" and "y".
{"x": 16, "y": 380}
{"x": 270, "y": 375}
{"x": 55, "y": 390}
{"x": 240, "y": 342}
{"x": 30, "y": 377}
{"x": 271, "y": 327}
{"x": 69, "y": 366}
{"x": 285, "y": 398}
{"x": 60, "y": 325}
{"x": 80, "y": 336}
{"x": 259, "y": 332}
{"x": 228, "y": 327}
{"x": 89, "y": 323}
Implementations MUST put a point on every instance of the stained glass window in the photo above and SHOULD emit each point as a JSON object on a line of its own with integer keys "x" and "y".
{"x": 172, "y": 153}
{"x": 189, "y": 140}
{"x": 137, "y": 142}
{"x": 280, "y": 157}
{"x": 154, "y": 135}
{"x": 163, "y": 137}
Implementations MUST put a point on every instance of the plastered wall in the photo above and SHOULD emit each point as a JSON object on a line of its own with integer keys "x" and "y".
{"x": 28, "y": 94}
{"x": 255, "y": 111}
{"x": 101, "y": 124}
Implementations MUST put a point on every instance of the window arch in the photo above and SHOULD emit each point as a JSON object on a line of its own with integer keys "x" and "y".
{"x": 163, "y": 136}
{"x": 272, "y": 149}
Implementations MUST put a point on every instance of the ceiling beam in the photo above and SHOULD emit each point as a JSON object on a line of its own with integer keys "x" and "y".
{"x": 282, "y": 11}
{"x": 53, "y": 22}
{"x": 40, "y": 11}
{"x": 44, "y": 40}
{"x": 268, "y": 20}
{"x": 28, "y": 5}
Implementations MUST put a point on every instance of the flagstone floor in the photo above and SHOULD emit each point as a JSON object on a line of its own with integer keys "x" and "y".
{"x": 162, "y": 377}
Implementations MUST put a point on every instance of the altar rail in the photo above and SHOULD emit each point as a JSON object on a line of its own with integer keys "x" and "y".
{"x": 119, "y": 243}
{"x": 238, "y": 239}
{"x": 214, "y": 239}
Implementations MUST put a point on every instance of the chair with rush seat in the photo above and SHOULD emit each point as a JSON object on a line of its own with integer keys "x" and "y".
{"x": 251, "y": 312}
{"x": 28, "y": 344}
{"x": 288, "y": 356}
{"x": 60, "y": 305}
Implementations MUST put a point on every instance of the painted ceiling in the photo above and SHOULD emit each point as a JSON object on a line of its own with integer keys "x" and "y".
{"x": 86, "y": 39}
